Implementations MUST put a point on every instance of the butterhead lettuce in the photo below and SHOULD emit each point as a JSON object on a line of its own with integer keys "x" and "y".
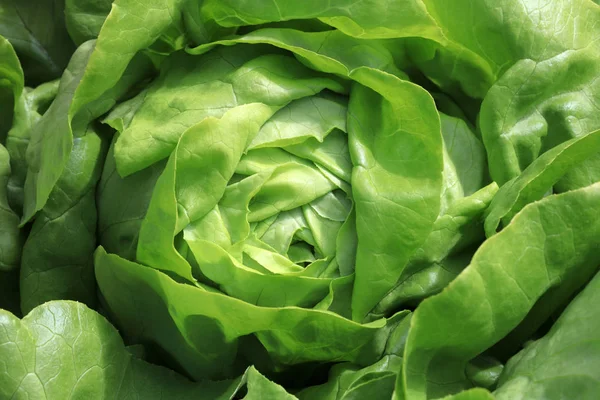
{"x": 299, "y": 200}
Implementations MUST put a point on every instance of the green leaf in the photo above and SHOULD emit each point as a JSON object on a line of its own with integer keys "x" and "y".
{"x": 203, "y": 334}
{"x": 130, "y": 27}
{"x": 11, "y": 86}
{"x": 485, "y": 39}
{"x": 49, "y": 149}
{"x": 546, "y": 245}
{"x": 319, "y": 50}
{"x": 396, "y": 148}
{"x": 11, "y": 238}
{"x": 57, "y": 256}
{"x": 364, "y": 19}
{"x": 84, "y": 18}
{"x": 28, "y": 111}
{"x": 310, "y": 117}
{"x": 538, "y": 178}
{"x": 465, "y": 168}
{"x": 233, "y": 79}
{"x": 260, "y": 388}
{"x": 350, "y": 381}
{"x": 52, "y": 137}
{"x": 253, "y": 287}
{"x": 204, "y": 161}
{"x": 565, "y": 362}
{"x": 37, "y": 31}
{"x": 444, "y": 254}
{"x": 122, "y": 205}
{"x": 63, "y": 349}
{"x": 484, "y": 371}
{"x": 548, "y": 96}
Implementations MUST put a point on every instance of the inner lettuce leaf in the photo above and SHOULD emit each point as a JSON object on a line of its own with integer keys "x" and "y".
{"x": 233, "y": 77}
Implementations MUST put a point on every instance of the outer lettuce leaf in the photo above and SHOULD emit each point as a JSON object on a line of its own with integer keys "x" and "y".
{"x": 549, "y": 94}
{"x": 49, "y": 149}
{"x": 473, "y": 394}
{"x": 449, "y": 247}
{"x": 63, "y": 349}
{"x": 259, "y": 387}
{"x": 431, "y": 20}
{"x": 37, "y": 31}
{"x": 469, "y": 56}
{"x": 465, "y": 168}
{"x": 52, "y": 137}
{"x": 350, "y": 381}
{"x": 11, "y": 238}
{"x": 84, "y": 18}
{"x": 486, "y": 38}
{"x": 11, "y": 86}
{"x": 202, "y": 334}
{"x": 395, "y": 144}
{"x": 565, "y": 362}
{"x": 445, "y": 253}
{"x": 538, "y": 178}
{"x": 57, "y": 256}
{"x": 122, "y": 205}
{"x": 28, "y": 111}
{"x": 130, "y": 27}
{"x": 546, "y": 245}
